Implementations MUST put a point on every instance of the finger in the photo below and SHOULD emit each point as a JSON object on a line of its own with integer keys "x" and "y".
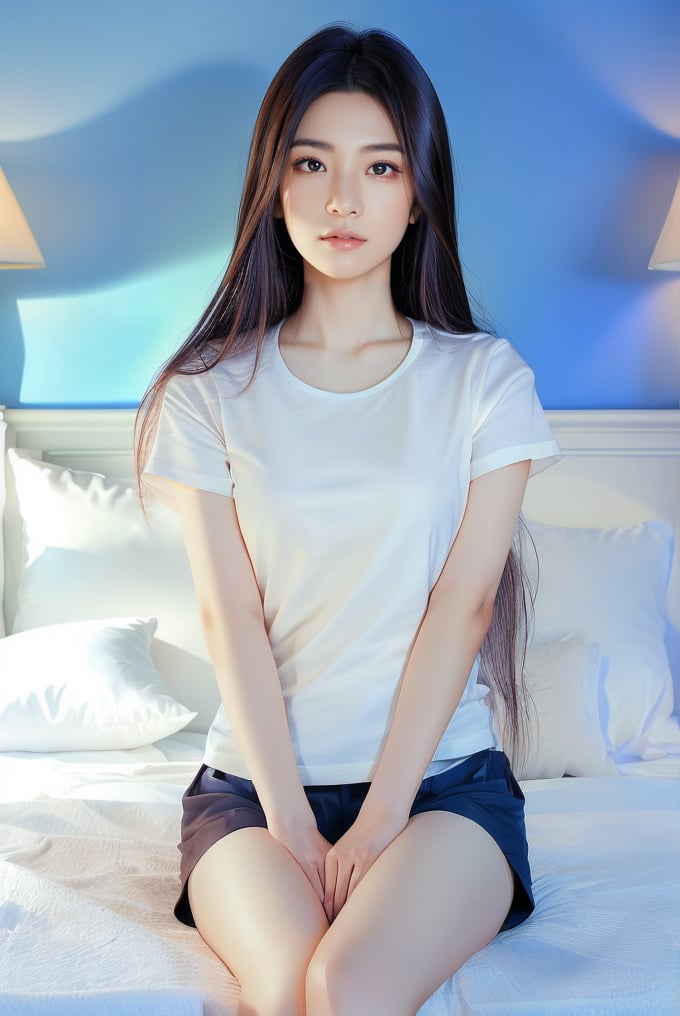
{"x": 357, "y": 875}
{"x": 330, "y": 877}
{"x": 341, "y": 887}
{"x": 310, "y": 866}
{"x": 315, "y": 876}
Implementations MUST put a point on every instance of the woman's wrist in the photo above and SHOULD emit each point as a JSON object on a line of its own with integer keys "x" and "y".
{"x": 281, "y": 822}
{"x": 285, "y": 804}
{"x": 386, "y": 808}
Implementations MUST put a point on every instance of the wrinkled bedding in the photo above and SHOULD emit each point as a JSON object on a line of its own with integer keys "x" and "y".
{"x": 89, "y": 874}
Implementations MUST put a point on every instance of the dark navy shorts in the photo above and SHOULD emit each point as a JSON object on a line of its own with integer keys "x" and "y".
{"x": 482, "y": 789}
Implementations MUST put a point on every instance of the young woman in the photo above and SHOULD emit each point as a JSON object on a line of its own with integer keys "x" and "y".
{"x": 348, "y": 455}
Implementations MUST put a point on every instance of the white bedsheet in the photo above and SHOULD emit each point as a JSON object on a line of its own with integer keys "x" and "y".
{"x": 156, "y": 772}
{"x": 89, "y": 874}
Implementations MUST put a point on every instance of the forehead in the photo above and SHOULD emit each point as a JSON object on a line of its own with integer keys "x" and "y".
{"x": 347, "y": 117}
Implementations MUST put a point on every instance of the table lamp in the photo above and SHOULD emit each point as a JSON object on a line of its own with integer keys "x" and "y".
{"x": 18, "y": 248}
{"x": 666, "y": 256}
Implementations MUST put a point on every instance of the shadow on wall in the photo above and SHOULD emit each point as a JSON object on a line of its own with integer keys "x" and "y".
{"x": 147, "y": 184}
{"x": 635, "y": 204}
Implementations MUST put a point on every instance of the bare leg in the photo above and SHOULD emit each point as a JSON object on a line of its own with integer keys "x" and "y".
{"x": 255, "y": 908}
{"x": 437, "y": 894}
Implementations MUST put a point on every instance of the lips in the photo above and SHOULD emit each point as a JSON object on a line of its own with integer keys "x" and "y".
{"x": 342, "y": 234}
{"x": 342, "y": 240}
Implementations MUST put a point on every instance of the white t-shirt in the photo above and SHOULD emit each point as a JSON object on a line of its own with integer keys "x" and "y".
{"x": 348, "y": 505}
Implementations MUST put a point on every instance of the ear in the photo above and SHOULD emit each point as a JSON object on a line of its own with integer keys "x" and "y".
{"x": 414, "y": 216}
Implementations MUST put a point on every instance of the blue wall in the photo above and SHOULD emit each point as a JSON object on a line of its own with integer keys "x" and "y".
{"x": 124, "y": 129}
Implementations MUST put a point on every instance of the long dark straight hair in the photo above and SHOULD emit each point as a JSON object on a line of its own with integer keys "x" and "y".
{"x": 263, "y": 282}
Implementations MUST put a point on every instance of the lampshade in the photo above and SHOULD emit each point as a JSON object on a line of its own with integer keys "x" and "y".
{"x": 666, "y": 254}
{"x": 18, "y": 248}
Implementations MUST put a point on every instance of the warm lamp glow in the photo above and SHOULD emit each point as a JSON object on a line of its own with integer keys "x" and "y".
{"x": 666, "y": 254}
{"x": 18, "y": 248}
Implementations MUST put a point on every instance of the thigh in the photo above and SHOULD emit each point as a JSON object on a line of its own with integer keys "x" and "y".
{"x": 437, "y": 894}
{"x": 255, "y": 908}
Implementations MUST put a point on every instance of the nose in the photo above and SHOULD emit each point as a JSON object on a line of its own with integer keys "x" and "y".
{"x": 343, "y": 197}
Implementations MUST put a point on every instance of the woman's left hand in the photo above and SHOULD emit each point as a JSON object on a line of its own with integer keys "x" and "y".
{"x": 350, "y": 858}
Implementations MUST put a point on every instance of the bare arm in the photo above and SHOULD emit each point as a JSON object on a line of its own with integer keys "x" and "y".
{"x": 233, "y": 622}
{"x": 457, "y": 618}
{"x": 456, "y": 621}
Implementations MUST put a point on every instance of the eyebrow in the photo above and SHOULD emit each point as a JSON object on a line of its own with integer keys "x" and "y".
{"x": 387, "y": 146}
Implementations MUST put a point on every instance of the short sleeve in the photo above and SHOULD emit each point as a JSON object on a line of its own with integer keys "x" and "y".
{"x": 189, "y": 445}
{"x": 511, "y": 425}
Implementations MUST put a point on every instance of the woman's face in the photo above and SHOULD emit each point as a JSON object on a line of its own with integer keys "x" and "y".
{"x": 346, "y": 193}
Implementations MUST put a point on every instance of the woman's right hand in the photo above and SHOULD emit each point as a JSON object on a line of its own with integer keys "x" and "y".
{"x": 309, "y": 848}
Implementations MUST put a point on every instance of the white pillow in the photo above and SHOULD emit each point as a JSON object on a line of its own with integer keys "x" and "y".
{"x": 84, "y": 685}
{"x": 564, "y": 679}
{"x": 608, "y": 586}
{"x": 88, "y": 552}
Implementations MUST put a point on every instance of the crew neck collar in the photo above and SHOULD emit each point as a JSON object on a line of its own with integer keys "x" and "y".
{"x": 284, "y": 369}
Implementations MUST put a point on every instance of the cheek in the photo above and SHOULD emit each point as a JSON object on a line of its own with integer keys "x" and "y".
{"x": 294, "y": 200}
{"x": 283, "y": 200}
{"x": 398, "y": 205}
{"x": 289, "y": 195}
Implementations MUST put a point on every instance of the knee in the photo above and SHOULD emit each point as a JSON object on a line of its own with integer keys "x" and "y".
{"x": 273, "y": 994}
{"x": 277, "y": 986}
{"x": 340, "y": 983}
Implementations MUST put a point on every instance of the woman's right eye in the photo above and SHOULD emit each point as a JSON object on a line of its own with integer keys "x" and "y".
{"x": 309, "y": 165}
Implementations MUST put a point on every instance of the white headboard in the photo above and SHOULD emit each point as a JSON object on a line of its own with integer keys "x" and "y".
{"x": 620, "y": 467}
{"x": 97, "y": 440}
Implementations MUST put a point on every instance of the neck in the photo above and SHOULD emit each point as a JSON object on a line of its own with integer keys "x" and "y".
{"x": 343, "y": 315}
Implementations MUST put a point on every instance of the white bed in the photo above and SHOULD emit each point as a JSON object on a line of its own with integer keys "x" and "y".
{"x": 95, "y": 752}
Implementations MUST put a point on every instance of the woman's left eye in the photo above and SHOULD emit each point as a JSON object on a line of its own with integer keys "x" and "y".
{"x": 383, "y": 169}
